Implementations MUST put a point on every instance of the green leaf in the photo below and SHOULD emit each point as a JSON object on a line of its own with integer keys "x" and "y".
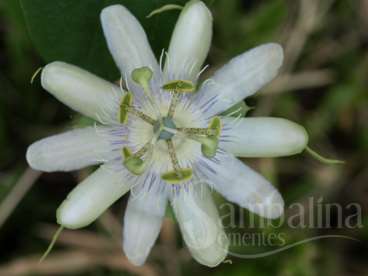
{"x": 237, "y": 110}
{"x": 70, "y": 31}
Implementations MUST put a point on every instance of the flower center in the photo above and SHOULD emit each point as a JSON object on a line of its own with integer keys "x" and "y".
{"x": 164, "y": 128}
{"x": 160, "y": 126}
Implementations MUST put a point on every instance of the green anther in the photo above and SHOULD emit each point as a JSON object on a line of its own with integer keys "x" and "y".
{"x": 125, "y": 103}
{"x": 135, "y": 165}
{"x": 126, "y": 107}
{"x": 142, "y": 76}
{"x": 127, "y": 153}
{"x": 181, "y": 86}
{"x": 209, "y": 145}
{"x": 216, "y": 126}
{"x": 209, "y": 138}
{"x": 177, "y": 176}
{"x": 133, "y": 162}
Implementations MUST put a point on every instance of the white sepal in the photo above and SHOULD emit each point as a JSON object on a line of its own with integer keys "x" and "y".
{"x": 71, "y": 150}
{"x": 81, "y": 91}
{"x": 190, "y": 42}
{"x": 263, "y": 137}
{"x": 200, "y": 225}
{"x": 89, "y": 199}
{"x": 142, "y": 224}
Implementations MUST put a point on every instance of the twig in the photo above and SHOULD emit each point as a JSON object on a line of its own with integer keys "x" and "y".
{"x": 109, "y": 222}
{"x": 19, "y": 190}
{"x": 168, "y": 239}
{"x": 297, "y": 81}
{"x": 311, "y": 13}
{"x": 73, "y": 261}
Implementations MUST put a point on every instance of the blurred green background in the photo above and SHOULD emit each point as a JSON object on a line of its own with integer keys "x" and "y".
{"x": 322, "y": 86}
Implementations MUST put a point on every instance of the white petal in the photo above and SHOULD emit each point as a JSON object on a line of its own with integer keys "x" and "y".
{"x": 200, "y": 225}
{"x": 68, "y": 151}
{"x": 142, "y": 224}
{"x": 86, "y": 202}
{"x": 263, "y": 137}
{"x": 190, "y": 42}
{"x": 81, "y": 90}
{"x": 243, "y": 76}
{"x": 243, "y": 186}
{"x": 127, "y": 40}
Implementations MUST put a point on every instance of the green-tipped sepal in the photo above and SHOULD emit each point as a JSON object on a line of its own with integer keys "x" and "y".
{"x": 125, "y": 104}
{"x": 181, "y": 86}
{"x": 178, "y": 176}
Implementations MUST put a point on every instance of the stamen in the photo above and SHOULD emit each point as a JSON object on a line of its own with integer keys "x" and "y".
{"x": 133, "y": 162}
{"x": 174, "y": 102}
{"x": 126, "y": 107}
{"x": 178, "y": 175}
{"x": 209, "y": 144}
{"x": 141, "y": 115}
{"x": 208, "y": 137}
{"x": 125, "y": 103}
{"x": 173, "y": 157}
{"x": 198, "y": 131}
{"x": 143, "y": 150}
{"x": 177, "y": 87}
{"x": 135, "y": 165}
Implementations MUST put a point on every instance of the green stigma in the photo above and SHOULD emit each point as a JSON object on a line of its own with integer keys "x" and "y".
{"x": 142, "y": 76}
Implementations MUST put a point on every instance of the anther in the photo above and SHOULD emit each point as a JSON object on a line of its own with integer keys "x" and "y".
{"x": 208, "y": 137}
{"x": 134, "y": 162}
{"x": 177, "y": 175}
{"x": 180, "y": 86}
{"x": 177, "y": 87}
{"x": 126, "y": 108}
